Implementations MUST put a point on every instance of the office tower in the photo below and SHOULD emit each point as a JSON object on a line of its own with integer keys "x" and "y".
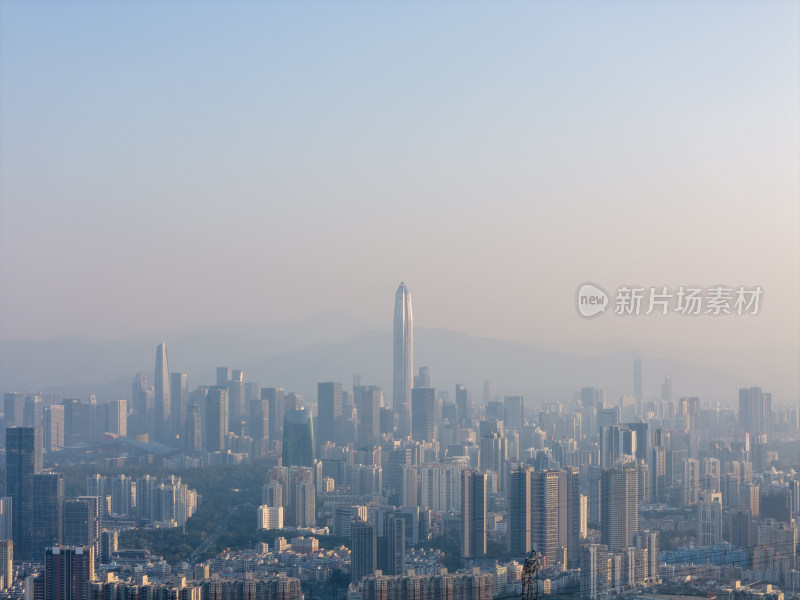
{"x": 53, "y": 432}
{"x": 305, "y": 506}
{"x": 642, "y": 449}
{"x": 67, "y": 572}
{"x": 32, "y": 411}
{"x": 709, "y": 519}
{"x": 236, "y": 394}
{"x": 616, "y": 441}
{"x": 473, "y": 513}
{"x": 259, "y": 424}
{"x": 364, "y": 559}
{"x": 116, "y": 418}
{"x": 6, "y": 563}
{"x": 755, "y": 411}
{"x": 423, "y": 413}
{"x": 276, "y": 410}
{"x": 569, "y": 514}
{"x": 594, "y": 571}
{"x": 392, "y": 545}
{"x": 161, "y": 395}
{"x": 141, "y": 403}
{"x": 544, "y": 508}
{"x": 691, "y": 481}
{"x": 368, "y": 404}
{"x": 74, "y": 420}
{"x": 329, "y": 409}
{"x": 488, "y": 391}
{"x": 6, "y": 518}
{"x": 223, "y": 377}
{"x": 637, "y": 379}
{"x": 299, "y": 448}
{"x": 82, "y": 522}
{"x": 216, "y": 419}
{"x": 179, "y": 397}
{"x": 519, "y": 498}
{"x": 403, "y": 358}
{"x": 463, "y": 405}
{"x": 345, "y": 517}
{"x": 14, "y": 409}
{"x": 620, "y": 504}
{"x": 513, "y": 414}
{"x": 423, "y": 378}
{"x": 23, "y": 460}
{"x": 48, "y": 504}
{"x": 666, "y": 390}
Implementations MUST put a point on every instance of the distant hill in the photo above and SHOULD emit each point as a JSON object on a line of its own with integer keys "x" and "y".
{"x": 275, "y": 357}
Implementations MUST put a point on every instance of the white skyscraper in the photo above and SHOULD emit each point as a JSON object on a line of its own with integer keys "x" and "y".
{"x": 403, "y": 358}
{"x": 162, "y": 401}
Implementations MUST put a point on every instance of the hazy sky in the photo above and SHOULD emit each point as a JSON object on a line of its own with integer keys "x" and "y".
{"x": 165, "y": 165}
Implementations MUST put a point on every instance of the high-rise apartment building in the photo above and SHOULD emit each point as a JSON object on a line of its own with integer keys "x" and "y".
{"x": 619, "y": 504}
{"x": 364, "y": 558}
{"x": 709, "y": 518}
{"x": 474, "y": 494}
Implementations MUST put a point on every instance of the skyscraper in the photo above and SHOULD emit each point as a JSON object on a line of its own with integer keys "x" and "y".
{"x": 179, "y": 398}
{"x": 392, "y": 544}
{"x": 463, "y": 405}
{"x": 82, "y": 522}
{"x": 513, "y": 416}
{"x": 161, "y": 395}
{"x": 53, "y": 434}
{"x": 67, "y": 572}
{"x": 299, "y": 447}
{"x": 274, "y": 396}
{"x": 364, "y": 541}
{"x": 569, "y": 514}
{"x": 709, "y": 519}
{"x": 620, "y": 504}
{"x": 48, "y": 501}
{"x": 368, "y": 403}
{"x": 216, "y": 419}
{"x": 519, "y": 510}
{"x": 329, "y": 409}
{"x": 423, "y": 413}
{"x": 544, "y": 508}
{"x": 755, "y": 411}
{"x": 473, "y": 513}
{"x": 23, "y": 460}
{"x": 403, "y": 358}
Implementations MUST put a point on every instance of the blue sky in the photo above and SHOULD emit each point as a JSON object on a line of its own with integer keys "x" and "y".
{"x": 170, "y": 164}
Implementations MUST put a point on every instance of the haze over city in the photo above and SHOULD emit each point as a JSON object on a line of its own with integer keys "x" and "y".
{"x": 214, "y": 217}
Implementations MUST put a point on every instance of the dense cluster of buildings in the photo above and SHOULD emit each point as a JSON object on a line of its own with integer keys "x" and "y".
{"x": 610, "y": 496}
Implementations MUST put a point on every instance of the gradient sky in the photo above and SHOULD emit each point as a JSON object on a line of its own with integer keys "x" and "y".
{"x": 165, "y": 165}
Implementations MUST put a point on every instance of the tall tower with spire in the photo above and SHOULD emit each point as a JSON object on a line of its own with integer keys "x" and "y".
{"x": 403, "y": 358}
{"x": 161, "y": 395}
